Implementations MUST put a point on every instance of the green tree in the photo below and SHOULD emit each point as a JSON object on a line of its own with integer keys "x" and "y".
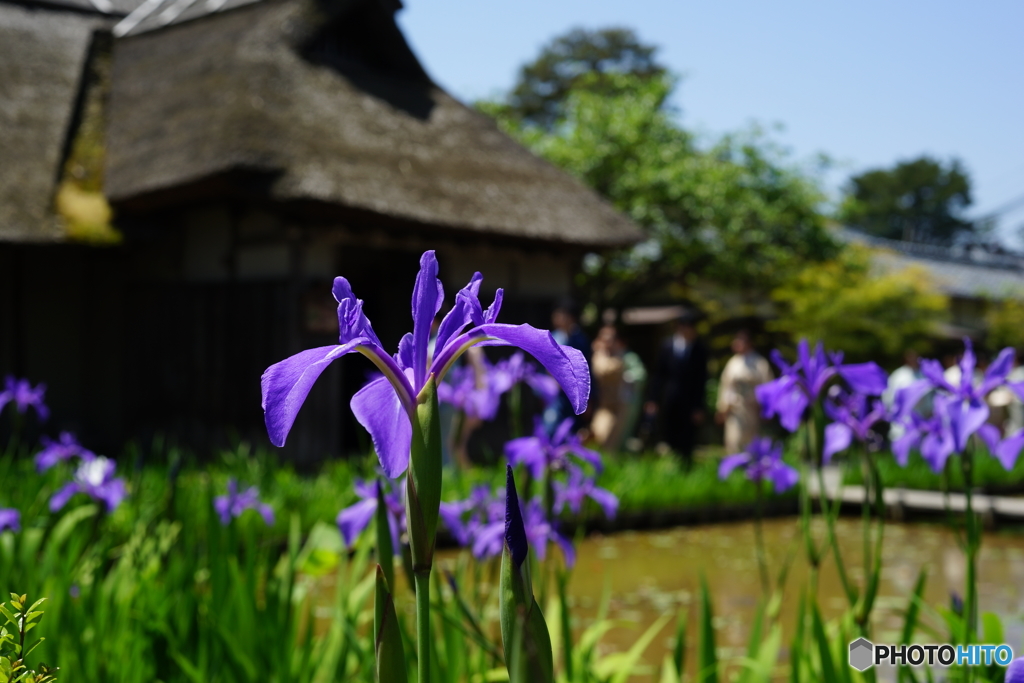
{"x": 915, "y": 201}
{"x": 543, "y": 86}
{"x": 1004, "y": 319}
{"x": 732, "y": 212}
{"x": 868, "y": 315}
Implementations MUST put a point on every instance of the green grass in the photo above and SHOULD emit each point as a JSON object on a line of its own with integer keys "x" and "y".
{"x": 160, "y": 590}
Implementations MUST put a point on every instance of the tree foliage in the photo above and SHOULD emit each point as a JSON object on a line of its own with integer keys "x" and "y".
{"x": 543, "y": 86}
{"x": 869, "y": 315}
{"x": 732, "y": 211}
{"x": 1004, "y": 319}
{"x": 915, "y": 201}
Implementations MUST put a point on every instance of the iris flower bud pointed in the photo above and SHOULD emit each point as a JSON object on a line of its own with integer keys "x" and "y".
{"x": 524, "y": 634}
{"x": 387, "y": 642}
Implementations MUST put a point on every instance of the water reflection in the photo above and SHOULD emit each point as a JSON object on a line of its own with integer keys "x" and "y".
{"x": 652, "y": 573}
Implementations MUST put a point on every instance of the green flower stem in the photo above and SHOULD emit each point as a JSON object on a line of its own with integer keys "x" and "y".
{"x": 973, "y": 545}
{"x": 762, "y": 557}
{"x": 423, "y": 624}
{"x": 829, "y": 511}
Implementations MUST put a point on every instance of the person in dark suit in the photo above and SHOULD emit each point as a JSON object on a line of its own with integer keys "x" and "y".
{"x": 678, "y": 387}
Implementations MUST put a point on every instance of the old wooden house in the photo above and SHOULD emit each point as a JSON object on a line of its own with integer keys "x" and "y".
{"x": 181, "y": 179}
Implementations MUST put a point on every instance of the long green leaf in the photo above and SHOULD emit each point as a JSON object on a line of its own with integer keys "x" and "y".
{"x": 707, "y": 659}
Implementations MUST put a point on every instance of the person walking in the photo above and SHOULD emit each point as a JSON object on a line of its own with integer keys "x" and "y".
{"x": 737, "y": 407}
{"x": 679, "y": 387}
{"x": 608, "y": 369}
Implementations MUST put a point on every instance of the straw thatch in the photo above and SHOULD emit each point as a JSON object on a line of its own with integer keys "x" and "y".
{"x": 326, "y": 103}
{"x": 42, "y": 57}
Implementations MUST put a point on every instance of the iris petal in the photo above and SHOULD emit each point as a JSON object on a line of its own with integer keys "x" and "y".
{"x": 864, "y": 378}
{"x": 731, "y": 462}
{"x": 427, "y": 295}
{"x": 564, "y": 363}
{"x": 379, "y": 410}
{"x": 838, "y": 437}
{"x": 466, "y": 301}
{"x": 286, "y": 384}
{"x": 353, "y": 519}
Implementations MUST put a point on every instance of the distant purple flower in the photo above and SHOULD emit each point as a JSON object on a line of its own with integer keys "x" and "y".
{"x": 966, "y": 410}
{"x": 540, "y": 453}
{"x": 854, "y": 416}
{"x": 540, "y": 531}
{"x": 10, "y": 519}
{"x": 519, "y": 370}
{"x": 578, "y": 487}
{"x": 960, "y": 411}
{"x": 95, "y": 478}
{"x": 1005, "y": 450}
{"x": 761, "y": 461}
{"x": 74, "y": 591}
{"x": 478, "y": 397}
{"x": 478, "y": 394}
{"x": 356, "y": 517}
{"x": 932, "y": 435}
{"x": 23, "y": 395}
{"x": 479, "y": 523}
{"x": 464, "y": 518}
{"x": 801, "y": 384}
{"x": 63, "y": 449}
{"x": 386, "y": 406}
{"x": 236, "y": 502}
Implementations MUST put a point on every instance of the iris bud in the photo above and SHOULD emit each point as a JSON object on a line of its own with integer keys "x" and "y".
{"x": 524, "y": 634}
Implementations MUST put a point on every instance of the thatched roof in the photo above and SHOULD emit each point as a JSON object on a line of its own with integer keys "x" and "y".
{"x": 42, "y": 55}
{"x": 324, "y": 101}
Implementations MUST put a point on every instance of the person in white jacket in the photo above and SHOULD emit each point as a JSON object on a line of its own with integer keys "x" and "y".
{"x": 737, "y": 405}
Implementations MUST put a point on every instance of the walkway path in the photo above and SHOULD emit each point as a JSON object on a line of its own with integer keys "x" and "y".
{"x": 900, "y": 501}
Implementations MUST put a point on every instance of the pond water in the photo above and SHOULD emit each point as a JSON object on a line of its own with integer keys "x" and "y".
{"x": 657, "y": 572}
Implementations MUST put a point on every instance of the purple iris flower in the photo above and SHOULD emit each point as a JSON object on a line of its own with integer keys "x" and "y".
{"x": 518, "y": 369}
{"x": 478, "y": 397}
{"x": 10, "y": 519}
{"x": 464, "y": 518}
{"x": 232, "y": 505}
{"x": 64, "y": 448}
{"x": 379, "y": 406}
{"x": 578, "y": 487}
{"x": 762, "y": 460}
{"x": 931, "y": 434}
{"x": 95, "y": 478}
{"x": 23, "y": 395}
{"x": 854, "y": 416}
{"x": 1005, "y": 450}
{"x": 479, "y": 523}
{"x": 966, "y": 410}
{"x": 541, "y": 453}
{"x": 801, "y": 383}
{"x": 356, "y": 517}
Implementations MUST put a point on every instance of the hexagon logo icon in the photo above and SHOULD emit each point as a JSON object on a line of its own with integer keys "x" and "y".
{"x": 861, "y": 651}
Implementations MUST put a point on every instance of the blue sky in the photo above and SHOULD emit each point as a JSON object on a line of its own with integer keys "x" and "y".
{"x": 866, "y": 82}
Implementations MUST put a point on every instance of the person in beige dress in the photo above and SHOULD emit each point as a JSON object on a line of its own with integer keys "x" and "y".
{"x": 737, "y": 405}
{"x": 608, "y": 368}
